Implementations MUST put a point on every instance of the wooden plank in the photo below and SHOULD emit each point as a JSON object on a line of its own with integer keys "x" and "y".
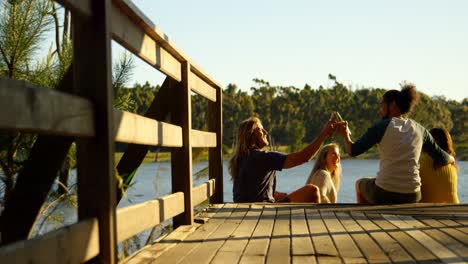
{"x": 92, "y": 66}
{"x": 232, "y": 250}
{"x": 280, "y": 243}
{"x": 135, "y": 154}
{"x": 413, "y": 228}
{"x": 133, "y": 37}
{"x": 203, "y": 192}
{"x": 202, "y": 88}
{"x": 302, "y": 250}
{"x": 137, "y": 218}
{"x": 343, "y": 241}
{"x": 77, "y": 7}
{"x": 215, "y": 155}
{"x": 181, "y": 250}
{"x": 137, "y": 16}
{"x": 34, "y": 181}
{"x": 370, "y": 249}
{"x": 205, "y": 252}
{"x": 181, "y": 158}
{"x": 202, "y": 139}
{"x": 390, "y": 246}
{"x": 27, "y": 107}
{"x": 325, "y": 249}
{"x": 413, "y": 246}
{"x": 76, "y": 243}
{"x": 443, "y": 238}
{"x": 257, "y": 247}
{"x": 153, "y": 251}
{"x": 150, "y": 253}
{"x": 136, "y": 129}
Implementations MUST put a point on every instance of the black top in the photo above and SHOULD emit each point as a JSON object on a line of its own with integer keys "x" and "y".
{"x": 256, "y": 179}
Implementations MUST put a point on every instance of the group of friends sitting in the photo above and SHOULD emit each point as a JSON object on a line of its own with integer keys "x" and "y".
{"x": 415, "y": 165}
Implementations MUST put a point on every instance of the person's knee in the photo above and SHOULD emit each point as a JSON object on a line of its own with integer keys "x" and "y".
{"x": 314, "y": 192}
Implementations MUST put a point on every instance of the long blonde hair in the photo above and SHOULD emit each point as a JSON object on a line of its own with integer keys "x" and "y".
{"x": 245, "y": 142}
{"x": 321, "y": 164}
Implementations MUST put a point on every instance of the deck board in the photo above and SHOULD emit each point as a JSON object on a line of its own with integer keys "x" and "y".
{"x": 307, "y": 233}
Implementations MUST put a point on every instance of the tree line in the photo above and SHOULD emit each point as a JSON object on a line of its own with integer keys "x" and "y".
{"x": 294, "y": 116}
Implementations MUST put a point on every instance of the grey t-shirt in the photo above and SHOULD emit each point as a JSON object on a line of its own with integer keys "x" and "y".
{"x": 256, "y": 179}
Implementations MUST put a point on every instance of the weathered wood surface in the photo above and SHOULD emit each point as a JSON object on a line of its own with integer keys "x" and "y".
{"x": 92, "y": 65}
{"x": 301, "y": 233}
{"x": 71, "y": 244}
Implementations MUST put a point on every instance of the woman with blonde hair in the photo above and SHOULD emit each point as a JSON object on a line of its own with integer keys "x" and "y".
{"x": 253, "y": 171}
{"x": 327, "y": 172}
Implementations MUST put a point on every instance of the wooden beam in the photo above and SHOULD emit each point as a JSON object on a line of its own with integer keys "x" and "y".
{"x": 27, "y": 107}
{"x": 76, "y": 243}
{"x": 93, "y": 80}
{"x": 34, "y": 181}
{"x": 215, "y": 155}
{"x": 136, "y": 129}
{"x": 202, "y": 88}
{"x": 137, "y": 218}
{"x": 131, "y": 36}
{"x": 137, "y": 16}
{"x": 135, "y": 154}
{"x": 203, "y": 191}
{"x": 181, "y": 158}
{"x": 203, "y": 139}
{"x": 77, "y": 7}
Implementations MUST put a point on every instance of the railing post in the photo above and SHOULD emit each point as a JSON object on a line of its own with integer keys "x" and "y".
{"x": 215, "y": 160}
{"x": 181, "y": 158}
{"x": 93, "y": 79}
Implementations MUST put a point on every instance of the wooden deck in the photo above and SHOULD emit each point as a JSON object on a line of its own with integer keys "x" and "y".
{"x": 298, "y": 233}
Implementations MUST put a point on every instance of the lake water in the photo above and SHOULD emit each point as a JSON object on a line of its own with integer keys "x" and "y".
{"x": 154, "y": 180}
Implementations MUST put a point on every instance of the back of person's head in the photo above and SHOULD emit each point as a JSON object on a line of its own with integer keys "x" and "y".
{"x": 405, "y": 99}
{"x": 245, "y": 140}
{"x": 443, "y": 139}
{"x": 321, "y": 163}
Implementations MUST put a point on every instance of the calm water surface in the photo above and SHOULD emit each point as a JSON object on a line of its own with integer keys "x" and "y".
{"x": 154, "y": 180}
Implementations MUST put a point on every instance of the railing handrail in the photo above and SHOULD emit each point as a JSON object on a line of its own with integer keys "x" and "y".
{"x": 127, "y": 127}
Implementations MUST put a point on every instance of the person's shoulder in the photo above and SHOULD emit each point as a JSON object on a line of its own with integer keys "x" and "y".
{"x": 322, "y": 174}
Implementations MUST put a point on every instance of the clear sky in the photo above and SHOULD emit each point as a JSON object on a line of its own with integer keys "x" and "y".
{"x": 370, "y": 43}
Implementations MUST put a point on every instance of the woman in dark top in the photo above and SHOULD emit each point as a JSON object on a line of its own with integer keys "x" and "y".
{"x": 253, "y": 171}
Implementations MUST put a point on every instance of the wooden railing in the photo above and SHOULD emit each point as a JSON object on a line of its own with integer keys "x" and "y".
{"x": 81, "y": 109}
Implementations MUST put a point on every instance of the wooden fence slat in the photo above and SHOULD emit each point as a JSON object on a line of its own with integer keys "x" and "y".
{"x": 203, "y": 191}
{"x": 92, "y": 66}
{"x": 35, "y": 179}
{"x": 77, "y": 7}
{"x": 137, "y": 16}
{"x": 215, "y": 155}
{"x": 135, "y": 154}
{"x": 202, "y": 88}
{"x": 133, "y": 37}
{"x": 133, "y": 128}
{"x": 71, "y": 244}
{"x": 181, "y": 158}
{"x": 27, "y": 107}
{"x": 134, "y": 219}
{"x": 203, "y": 139}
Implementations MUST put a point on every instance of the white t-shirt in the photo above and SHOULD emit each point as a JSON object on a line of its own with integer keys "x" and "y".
{"x": 323, "y": 180}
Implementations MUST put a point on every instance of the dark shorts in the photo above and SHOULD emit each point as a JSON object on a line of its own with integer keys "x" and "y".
{"x": 375, "y": 195}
